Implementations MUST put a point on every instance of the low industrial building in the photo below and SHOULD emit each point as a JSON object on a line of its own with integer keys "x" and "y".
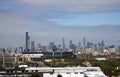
{"x": 40, "y": 56}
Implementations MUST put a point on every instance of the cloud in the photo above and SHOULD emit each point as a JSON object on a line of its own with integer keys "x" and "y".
{"x": 13, "y": 28}
{"x": 42, "y": 7}
{"x": 31, "y": 15}
{"x": 76, "y": 6}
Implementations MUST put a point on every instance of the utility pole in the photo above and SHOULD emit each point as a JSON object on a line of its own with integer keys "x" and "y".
{"x": 3, "y": 58}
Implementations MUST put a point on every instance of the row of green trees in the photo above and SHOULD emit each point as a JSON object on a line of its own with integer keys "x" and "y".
{"x": 109, "y": 67}
{"x": 64, "y": 63}
{"x": 7, "y": 64}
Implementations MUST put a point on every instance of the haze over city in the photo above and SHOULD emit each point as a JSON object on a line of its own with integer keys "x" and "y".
{"x": 50, "y": 21}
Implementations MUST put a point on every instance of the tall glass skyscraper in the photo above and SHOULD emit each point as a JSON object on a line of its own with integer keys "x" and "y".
{"x": 32, "y": 46}
{"x": 27, "y": 42}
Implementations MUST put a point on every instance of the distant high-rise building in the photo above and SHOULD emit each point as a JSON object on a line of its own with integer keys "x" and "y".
{"x": 39, "y": 47}
{"x": 79, "y": 45}
{"x": 59, "y": 46}
{"x": 84, "y": 44}
{"x": 27, "y": 42}
{"x": 102, "y": 46}
{"x": 20, "y": 49}
{"x": 95, "y": 47}
{"x": 63, "y": 45}
{"x": 52, "y": 47}
{"x": 98, "y": 47}
{"x": 112, "y": 46}
{"x": 51, "y": 44}
{"x": 119, "y": 49}
{"x": 43, "y": 48}
{"x": 89, "y": 45}
{"x": 70, "y": 44}
{"x": 32, "y": 46}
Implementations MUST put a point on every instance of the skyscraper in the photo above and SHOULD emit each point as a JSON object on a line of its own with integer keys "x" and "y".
{"x": 27, "y": 42}
{"x": 89, "y": 45}
{"x": 20, "y": 49}
{"x": 95, "y": 47}
{"x": 39, "y": 47}
{"x": 119, "y": 48}
{"x": 102, "y": 46}
{"x": 79, "y": 45}
{"x": 51, "y": 44}
{"x": 63, "y": 45}
{"x": 32, "y": 46}
{"x": 84, "y": 44}
{"x": 70, "y": 44}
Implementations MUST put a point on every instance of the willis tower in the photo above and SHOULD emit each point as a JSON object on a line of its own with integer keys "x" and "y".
{"x": 27, "y": 42}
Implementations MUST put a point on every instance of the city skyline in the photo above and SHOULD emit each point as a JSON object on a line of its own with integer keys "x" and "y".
{"x": 51, "y": 21}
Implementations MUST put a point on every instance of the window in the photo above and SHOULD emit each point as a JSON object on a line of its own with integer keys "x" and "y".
{"x": 67, "y": 72}
{"x": 76, "y": 72}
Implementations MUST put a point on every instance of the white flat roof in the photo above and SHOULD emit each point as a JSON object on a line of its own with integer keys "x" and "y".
{"x": 74, "y": 71}
{"x": 65, "y": 68}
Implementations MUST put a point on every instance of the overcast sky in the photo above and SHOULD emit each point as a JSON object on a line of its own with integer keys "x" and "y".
{"x": 51, "y": 20}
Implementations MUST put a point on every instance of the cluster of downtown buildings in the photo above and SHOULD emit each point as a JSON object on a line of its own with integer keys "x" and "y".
{"x": 84, "y": 47}
{"x": 86, "y": 50}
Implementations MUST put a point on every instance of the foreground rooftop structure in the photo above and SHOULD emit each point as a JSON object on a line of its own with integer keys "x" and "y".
{"x": 69, "y": 71}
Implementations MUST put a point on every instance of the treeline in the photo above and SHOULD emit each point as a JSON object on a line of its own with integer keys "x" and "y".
{"x": 110, "y": 67}
{"x": 64, "y": 63}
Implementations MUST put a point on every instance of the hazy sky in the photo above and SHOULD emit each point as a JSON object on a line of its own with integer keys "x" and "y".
{"x": 52, "y": 20}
